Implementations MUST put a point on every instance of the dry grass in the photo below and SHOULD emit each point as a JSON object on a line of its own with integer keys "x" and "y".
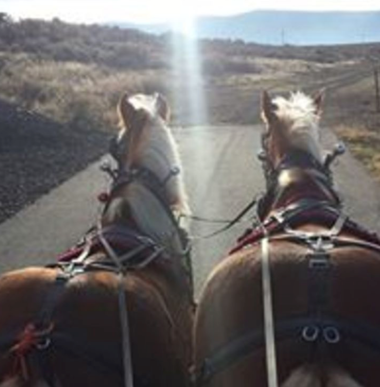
{"x": 76, "y": 94}
{"x": 364, "y": 144}
{"x": 84, "y": 95}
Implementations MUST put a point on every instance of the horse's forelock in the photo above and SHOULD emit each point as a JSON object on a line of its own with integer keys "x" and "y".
{"x": 144, "y": 102}
{"x": 298, "y": 107}
{"x": 300, "y": 118}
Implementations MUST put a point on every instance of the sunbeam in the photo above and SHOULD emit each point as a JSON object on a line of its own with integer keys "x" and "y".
{"x": 188, "y": 87}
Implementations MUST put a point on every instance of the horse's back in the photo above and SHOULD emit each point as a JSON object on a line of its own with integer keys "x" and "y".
{"x": 85, "y": 318}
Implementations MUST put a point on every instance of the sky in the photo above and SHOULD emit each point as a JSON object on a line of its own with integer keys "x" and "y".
{"x": 156, "y": 11}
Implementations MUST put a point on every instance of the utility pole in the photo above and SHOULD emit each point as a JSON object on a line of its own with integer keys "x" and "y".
{"x": 377, "y": 96}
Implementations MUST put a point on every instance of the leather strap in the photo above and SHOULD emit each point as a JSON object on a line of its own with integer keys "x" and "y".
{"x": 270, "y": 342}
{"x": 244, "y": 345}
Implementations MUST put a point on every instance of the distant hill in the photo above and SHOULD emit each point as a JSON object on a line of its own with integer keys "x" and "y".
{"x": 287, "y": 27}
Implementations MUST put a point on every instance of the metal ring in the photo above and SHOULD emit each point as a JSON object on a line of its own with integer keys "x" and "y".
{"x": 43, "y": 344}
{"x": 175, "y": 170}
{"x": 310, "y": 333}
{"x": 261, "y": 155}
{"x": 331, "y": 335}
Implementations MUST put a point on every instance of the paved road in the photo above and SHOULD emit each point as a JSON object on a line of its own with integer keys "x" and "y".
{"x": 222, "y": 176}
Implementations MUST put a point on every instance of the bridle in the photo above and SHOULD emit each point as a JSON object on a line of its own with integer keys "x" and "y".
{"x": 121, "y": 178}
{"x": 319, "y": 173}
{"x": 296, "y": 157}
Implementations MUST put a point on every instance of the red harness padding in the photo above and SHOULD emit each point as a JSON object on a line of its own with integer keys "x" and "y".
{"x": 30, "y": 338}
{"x": 120, "y": 237}
{"x": 321, "y": 217}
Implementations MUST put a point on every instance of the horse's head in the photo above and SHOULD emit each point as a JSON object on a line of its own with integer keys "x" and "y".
{"x": 143, "y": 119}
{"x": 148, "y": 180}
{"x": 145, "y": 142}
{"x": 291, "y": 125}
{"x": 292, "y": 154}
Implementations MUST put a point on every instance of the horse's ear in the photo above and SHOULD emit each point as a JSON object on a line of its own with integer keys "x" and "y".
{"x": 267, "y": 107}
{"x": 162, "y": 107}
{"x": 318, "y": 99}
{"x": 126, "y": 111}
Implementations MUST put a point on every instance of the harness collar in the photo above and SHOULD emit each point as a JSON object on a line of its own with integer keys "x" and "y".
{"x": 294, "y": 168}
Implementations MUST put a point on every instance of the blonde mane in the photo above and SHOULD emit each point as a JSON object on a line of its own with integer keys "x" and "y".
{"x": 301, "y": 120}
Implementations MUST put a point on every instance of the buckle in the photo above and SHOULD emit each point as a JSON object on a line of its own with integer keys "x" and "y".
{"x": 319, "y": 261}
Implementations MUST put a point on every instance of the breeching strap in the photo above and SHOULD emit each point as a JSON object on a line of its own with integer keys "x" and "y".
{"x": 270, "y": 345}
{"x": 125, "y": 331}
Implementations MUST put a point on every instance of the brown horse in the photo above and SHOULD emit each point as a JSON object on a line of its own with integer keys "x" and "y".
{"x": 117, "y": 309}
{"x": 294, "y": 303}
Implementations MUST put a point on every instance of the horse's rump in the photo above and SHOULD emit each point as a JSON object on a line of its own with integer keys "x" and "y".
{"x": 232, "y": 303}
{"x": 85, "y": 337}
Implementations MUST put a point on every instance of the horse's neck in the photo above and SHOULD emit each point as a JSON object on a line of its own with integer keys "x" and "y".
{"x": 295, "y": 185}
{"x": 161, "y": 156}
{"x": 136, "y": 206}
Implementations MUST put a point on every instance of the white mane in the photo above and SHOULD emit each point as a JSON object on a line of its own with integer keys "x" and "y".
{"x": 300, "y": 116}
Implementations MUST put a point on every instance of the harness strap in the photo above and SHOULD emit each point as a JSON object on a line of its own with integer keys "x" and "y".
{"x": 52, "y": 297}
{"x": 103, "y": 358}
{"x": 243, "y": 346}
{"x": 123, "y": 312}
{"x": 44, "y": 321}
{"x": 270, "y": 343}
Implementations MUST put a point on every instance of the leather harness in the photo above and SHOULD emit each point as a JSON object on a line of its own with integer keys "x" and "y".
{"x": 316, "y": 326}
{"x": 135, "y": 251}
{"x": 141, "y": 251}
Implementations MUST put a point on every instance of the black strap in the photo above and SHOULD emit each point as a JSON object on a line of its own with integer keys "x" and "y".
{"x": 43, "y": 360}
{"x": 52, "y": 297}
{"x": 232, "y": 222}
{"x": 244, "y": 345}
{"x": 105, "y": 359}
{"x": 319, "y": 270}
{"x": 241, "y": 347}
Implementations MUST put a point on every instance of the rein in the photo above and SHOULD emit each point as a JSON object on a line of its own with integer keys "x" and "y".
{"x": 229, "y": 223}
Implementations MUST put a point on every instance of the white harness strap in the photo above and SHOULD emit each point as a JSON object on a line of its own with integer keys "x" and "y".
{"x": 270, "y": 344}
{"x": 126, "y": 344}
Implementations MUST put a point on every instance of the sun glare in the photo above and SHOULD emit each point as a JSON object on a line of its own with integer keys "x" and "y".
{"x": 186, "y": 59}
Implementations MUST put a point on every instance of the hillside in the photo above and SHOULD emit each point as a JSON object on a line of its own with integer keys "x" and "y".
{"x": 60, "y": 83}
{"x": 74, "y": 74}
{"x": 285, "y": 27}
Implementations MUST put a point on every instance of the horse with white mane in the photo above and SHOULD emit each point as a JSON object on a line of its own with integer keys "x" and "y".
{"x": 293, "y": 304}
{"x": 117, "y": 309}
